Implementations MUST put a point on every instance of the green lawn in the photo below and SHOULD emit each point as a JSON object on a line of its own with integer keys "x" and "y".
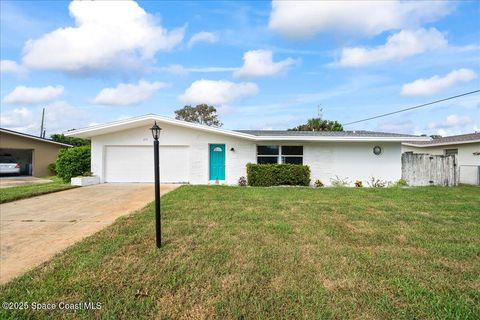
{"x": 275, "y": 253}
{"x": 28, "y": 191}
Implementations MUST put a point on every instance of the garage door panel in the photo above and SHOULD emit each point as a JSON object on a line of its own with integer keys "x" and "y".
{"x": 135, "y": 164}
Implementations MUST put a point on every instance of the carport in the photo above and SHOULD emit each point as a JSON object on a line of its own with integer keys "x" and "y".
{"x": 23, "y": 156}
{"x": 33, "y": 153}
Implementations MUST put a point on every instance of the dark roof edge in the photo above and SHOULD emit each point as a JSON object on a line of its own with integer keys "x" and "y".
{"x": 448, "y": 140}
{"x": 351, "y": 133}
{"x": 26, "y": 135}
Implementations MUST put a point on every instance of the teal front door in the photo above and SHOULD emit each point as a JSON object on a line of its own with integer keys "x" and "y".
{"x": 217, "y": 162}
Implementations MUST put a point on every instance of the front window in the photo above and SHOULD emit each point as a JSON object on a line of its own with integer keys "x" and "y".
{"x": 279, "y": 154}
{"x": 268, "y": 150}
{"x": 267, "y": 154}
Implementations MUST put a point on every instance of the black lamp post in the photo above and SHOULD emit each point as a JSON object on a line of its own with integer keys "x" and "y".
{"x": 158, "y": 226}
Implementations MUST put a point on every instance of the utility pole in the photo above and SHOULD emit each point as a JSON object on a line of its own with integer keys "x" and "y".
{"x": 319, "y": 111}
{"x": 42, "y": 132}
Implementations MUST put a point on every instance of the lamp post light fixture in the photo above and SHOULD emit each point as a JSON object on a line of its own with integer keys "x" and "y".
{"x": 158, "y": 225}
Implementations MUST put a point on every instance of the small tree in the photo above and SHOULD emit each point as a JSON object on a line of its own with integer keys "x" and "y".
{"x": 201, "y": 113}
{"x": 72, "y": 162}
{"x": 76, "y": 142}
{"x": 319, "y": 124}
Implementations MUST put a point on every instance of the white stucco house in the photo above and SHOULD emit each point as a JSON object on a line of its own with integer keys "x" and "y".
{"x": 465, "y": 146}
{"x": 122, "y": 151}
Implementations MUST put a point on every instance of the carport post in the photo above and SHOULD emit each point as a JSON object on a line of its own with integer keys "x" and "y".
{"x": 158, "y": 225}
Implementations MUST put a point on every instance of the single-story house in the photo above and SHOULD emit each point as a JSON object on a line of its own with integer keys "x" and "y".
{"x": 33, "y": 153}
{"x": 465, "y": 146}
{"x": 122, "y": 151}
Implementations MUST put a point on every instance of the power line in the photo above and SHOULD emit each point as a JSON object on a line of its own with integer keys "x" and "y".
{"x": 411, "y": 108}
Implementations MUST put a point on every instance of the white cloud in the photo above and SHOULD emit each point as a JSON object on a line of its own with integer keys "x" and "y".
{"x": 217, "y": 92}
{"x": 203, "y": 36}
{"x": 451, "y": 121}
{"x": 18, "y": 119}
{"x": 31, "y": 95}
{"x": 59, "y": 117}
{"x": 10, "y": 66}
{"x": 106, "y": 33}
{"x": 259, "y": 63}
{"x": 127, "y": 94}
{"x": 304, "y": 19}
{"x": 425, "y": 87}
{"x": 178, "y": 69}
{"x": 400, "y": 45}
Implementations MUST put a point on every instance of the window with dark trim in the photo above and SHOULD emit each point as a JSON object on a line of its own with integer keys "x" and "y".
{"x": 267, "y": 154}
{"x": 279, "y": 154}
{"x": 451, "y": 152}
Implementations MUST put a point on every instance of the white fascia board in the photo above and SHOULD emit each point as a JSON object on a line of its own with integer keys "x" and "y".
{"x": 438, "y": 144}
{"x": 344, "y": 139}
{"x": 143, "y": 120}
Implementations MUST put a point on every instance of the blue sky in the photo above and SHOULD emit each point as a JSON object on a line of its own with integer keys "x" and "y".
{"x": 263, "y": 65}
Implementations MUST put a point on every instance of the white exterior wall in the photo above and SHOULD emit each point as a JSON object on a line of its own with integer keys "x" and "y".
{"x": 354, "y": 160}
{"x": 197, "y": 142}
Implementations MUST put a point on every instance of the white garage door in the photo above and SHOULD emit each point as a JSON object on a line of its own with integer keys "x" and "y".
{"x": 135, "y": 164}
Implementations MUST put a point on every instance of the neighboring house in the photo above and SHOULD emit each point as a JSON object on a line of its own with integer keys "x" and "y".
{"x": 122, "y": 152}
{"x": 465, "y": 146}
{"x": 33, "y": 153}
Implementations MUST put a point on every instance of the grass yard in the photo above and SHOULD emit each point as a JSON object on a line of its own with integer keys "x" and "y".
{"x": 28, "y": 191}
{"x": 274, "y": 253}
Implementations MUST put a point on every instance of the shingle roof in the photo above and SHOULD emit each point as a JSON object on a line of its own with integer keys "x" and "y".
{"x": 252, "y": 135}
{"x": 463, "y": 138}
{"x": 357, "y": 133}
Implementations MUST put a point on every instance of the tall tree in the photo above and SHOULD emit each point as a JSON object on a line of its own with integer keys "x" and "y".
{"x": 201, "y": 113}
{"x": 319, "y": 124}
{"x": 76, "y": 142}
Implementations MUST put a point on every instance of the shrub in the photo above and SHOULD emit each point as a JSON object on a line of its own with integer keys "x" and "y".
{"x": 318, "y": 184}
{"x": 358, "y": 184}
{"x": 377, "y": 183}
{"x": 72, "y": 162}
{"x": 264, "y": 175}
{"x": 338, "y": 182}
{"x": 52, "y": 168}
{"x": 242, "y": 181}
{"x": 401, "y": 183}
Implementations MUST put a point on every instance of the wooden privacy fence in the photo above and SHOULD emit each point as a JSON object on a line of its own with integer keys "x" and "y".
{"x": 428, "y": 170}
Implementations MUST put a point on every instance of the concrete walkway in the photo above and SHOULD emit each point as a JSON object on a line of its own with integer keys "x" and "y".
{"x": 33, "y": 230}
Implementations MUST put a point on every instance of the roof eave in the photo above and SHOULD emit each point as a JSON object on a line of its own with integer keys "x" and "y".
{"x": 439, "y": 144}
{"x": 103, "y": 128}
{"x": 344, "y": 139}
{"x": 28, "y": 136}
{"x": 132, "y": 123}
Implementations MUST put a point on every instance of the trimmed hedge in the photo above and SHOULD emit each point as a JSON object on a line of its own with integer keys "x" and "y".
{"x": 265, "y": 175}
{"x": 73, "y": 162}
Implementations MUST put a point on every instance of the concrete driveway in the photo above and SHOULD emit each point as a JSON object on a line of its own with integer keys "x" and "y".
{"x": 33, "y": 230}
